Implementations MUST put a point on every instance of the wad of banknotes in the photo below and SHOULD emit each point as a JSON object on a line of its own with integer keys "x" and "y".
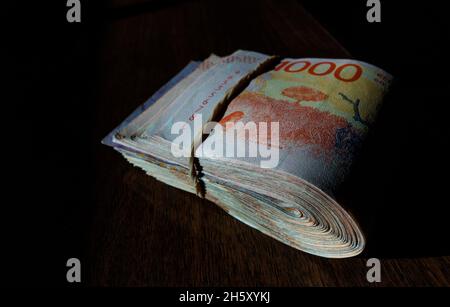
{"x": 267, "y": 139}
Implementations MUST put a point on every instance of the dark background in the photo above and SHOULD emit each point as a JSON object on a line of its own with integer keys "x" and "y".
{"x": 55, "y": 166}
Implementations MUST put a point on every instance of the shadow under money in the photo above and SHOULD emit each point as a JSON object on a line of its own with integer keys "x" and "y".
{"x": 397, "y": 187}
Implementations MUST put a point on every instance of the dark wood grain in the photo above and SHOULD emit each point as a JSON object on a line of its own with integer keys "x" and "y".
{"x": 146, "y": 233}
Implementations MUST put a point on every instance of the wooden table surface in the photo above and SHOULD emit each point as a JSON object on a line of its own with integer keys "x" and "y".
{"x": 145, "y": 233}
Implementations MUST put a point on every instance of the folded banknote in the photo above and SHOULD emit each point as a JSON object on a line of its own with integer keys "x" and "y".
{"x": 269, "y": 140}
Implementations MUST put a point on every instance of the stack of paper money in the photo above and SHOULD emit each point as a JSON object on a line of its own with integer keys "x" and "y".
{"x": 269, "y": 140}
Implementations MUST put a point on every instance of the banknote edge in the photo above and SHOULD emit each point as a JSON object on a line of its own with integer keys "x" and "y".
{"x": 190, "y": 67}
